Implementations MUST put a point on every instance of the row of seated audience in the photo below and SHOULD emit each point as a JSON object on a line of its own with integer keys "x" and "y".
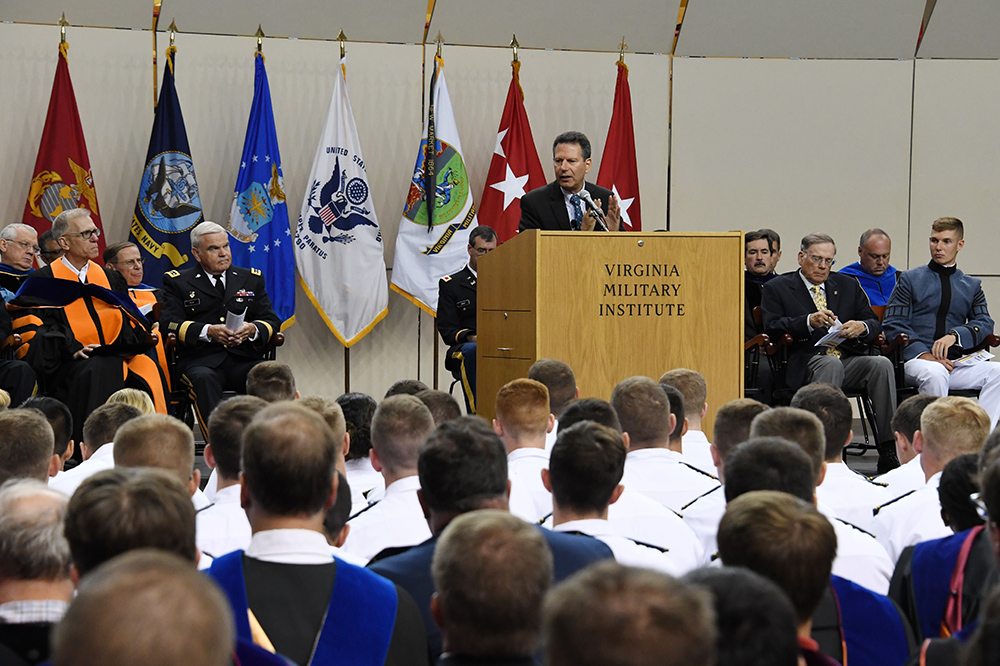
{"x": 400, "y": 532}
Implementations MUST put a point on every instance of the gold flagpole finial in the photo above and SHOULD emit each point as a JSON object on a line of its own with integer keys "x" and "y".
{"x": 439, "y": 40}
{"x": 621, "y": 49}
{"x": 514, "y": 45}
{"x": 62, "y": 28}
{"x": 342, "y": 38}
{"x": 260, "y": 39}
{"x": 173, "y": 31}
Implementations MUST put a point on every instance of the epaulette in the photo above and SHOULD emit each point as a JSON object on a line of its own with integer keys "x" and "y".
{"x": 714, "y": 557}
{"x": 871, "y": 480}
{"x": 649, "y": 545}
{"x": 173, "y": 274}
{"x": 362, "y": 511}
{"x": 879, "y": 508}
{"x": 204, "y": 507}
{"x": 446, "y": 278}
{"x": 700, "y": 471}
{"x": 863, "y": 531}
{"x": 255, "y": 271}
{"x": 543, "y": 519}
{"x": 704, "y": 494}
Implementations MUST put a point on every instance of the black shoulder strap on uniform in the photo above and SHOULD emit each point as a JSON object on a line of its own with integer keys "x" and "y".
{"x": 704, "y": 494}
{"x": 363, "y": 510}
{"x": 866, "y": 532}
{"x": 699, "y": 470}
{"x": 891, "y": 502}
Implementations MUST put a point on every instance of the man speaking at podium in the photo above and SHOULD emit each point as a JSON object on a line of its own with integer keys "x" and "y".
{"x": 569, "y": 203}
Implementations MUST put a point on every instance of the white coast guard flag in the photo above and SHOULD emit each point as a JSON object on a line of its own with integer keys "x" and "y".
{"x": 338, "y": 244}
{"x": 432, "y": 241}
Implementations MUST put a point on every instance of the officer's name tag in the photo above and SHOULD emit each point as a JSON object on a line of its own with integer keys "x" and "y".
{"x": 192, "y": 302}
{"x": 464, "y": 304}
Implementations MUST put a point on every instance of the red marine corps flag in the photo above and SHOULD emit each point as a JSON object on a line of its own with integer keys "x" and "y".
{"x": 61, "y": 179}
{"x": 515, "y": 168}
{"x": 618, "y": 171}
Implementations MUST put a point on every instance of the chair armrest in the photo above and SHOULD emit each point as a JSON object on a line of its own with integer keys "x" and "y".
{"x": 896, "y": 344}
{"x": 991, "y": 340}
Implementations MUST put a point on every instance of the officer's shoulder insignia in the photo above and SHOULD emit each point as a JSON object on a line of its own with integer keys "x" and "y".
{"x": 173, "y": 274}
{"x": 446, "y": 278}
{"x": 255, "y": 271}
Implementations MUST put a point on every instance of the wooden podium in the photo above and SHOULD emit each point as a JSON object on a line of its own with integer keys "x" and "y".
{"x": 612, "y": 305}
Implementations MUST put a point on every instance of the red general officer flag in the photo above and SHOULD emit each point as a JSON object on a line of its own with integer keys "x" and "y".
{"x": 515, "y": 168}
{"x": 618, "y": 171}
{"x": 62, "y": 179}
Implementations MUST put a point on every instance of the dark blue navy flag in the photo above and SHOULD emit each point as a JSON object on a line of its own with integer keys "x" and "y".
{"x": 168, "y": 205}
{"x": 260, "y": 235}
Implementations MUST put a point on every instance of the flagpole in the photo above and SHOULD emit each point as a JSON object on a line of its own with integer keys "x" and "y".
{"x": 156, "y": 19}
{"x": 342, "y": 38}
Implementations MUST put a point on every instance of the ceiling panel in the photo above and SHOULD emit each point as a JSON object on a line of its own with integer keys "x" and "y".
{"x": 647, "y": 25}
{"x": 966, "y": 29}
{"x": 802, "y": 28}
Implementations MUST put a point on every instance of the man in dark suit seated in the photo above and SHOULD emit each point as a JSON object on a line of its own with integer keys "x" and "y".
{"x": 806, "y": 304}
{"x": 562, "y": 204}
{"x": 463, "y": 467}
{"x": 196, "y": 302}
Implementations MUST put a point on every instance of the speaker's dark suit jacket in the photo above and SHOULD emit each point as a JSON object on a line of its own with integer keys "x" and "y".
{"x": 787, "y": 304}
{"x": 545, "y": 207}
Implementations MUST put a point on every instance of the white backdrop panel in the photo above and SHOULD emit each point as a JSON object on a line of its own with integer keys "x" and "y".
{"x": 794, "y": 145}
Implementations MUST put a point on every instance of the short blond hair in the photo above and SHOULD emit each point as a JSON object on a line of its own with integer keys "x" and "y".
{"x": 156, "y": 440}
{"x": 523, "y": 407}
{"x": 130, "y": 396}
{"x": 331, "y": 412}
{"x": 952, "y": 426}
{"x": 691, "y": 383}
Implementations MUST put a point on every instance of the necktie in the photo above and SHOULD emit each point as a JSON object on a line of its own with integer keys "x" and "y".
{"x": 219, "y": 286}
{"x": 819, "y": 298}
{"x": 577, "y": 220}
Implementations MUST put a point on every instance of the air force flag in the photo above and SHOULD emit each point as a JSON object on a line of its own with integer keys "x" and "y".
{"x": 260, "y": 235}
{"x": 338, "y": 244}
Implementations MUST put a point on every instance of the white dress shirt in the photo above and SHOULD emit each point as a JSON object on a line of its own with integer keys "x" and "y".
{"x": 289, "y": 546}
{"x": 697, "y": 451}
{"x": 626, "y": 551}
{"x": 911, "y": 519}
{"x": 860, "y": 558}
{"x": 67, "y": 482}
{"x": 850, "y": 496}
{"x": 529, "y": 500}
{"x": 703, "y": 516}
{"x": 908, "y": 476}
{"x": 223, "y": 526}
{"x": 367, "y": 485}
{"x": 397, "y": 520}
{"x": 664, "y": 475}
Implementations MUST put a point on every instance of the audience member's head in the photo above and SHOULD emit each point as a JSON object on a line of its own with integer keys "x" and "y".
{"x": 358, "y": 408}
{"x": 289, "y": 464}
{"x": 225, "y": 433}
{"x": 783, "y": 539}
{"x": 462, "y": 467}
{"x": 102, "y": 424}
{"x": 32, "y": 544}
{"x": 272, "y": 381}
{"x": 406, "y": 387}
{"x": 590, "y": 409}
{"x": 610, "y": 614}
{"x": 950, "y": 427}
{"x": 959, "y": 481}
{"x": 678, "y": 413}
{"x": 26, "y": 445}
{"x": 585, "y": 468}
{"x": 774, "y": 243}
{"x": 145, "y": 608}
{"x": 797, "y": 426}
{"x": 130, "y": 396}
{"x": 644, "y": 412}
{"x": 400, "y": 425}
{"x": 732, "y": 427}
{"x": 4, "y": 399}
{"x": 755, "y": 620}
{"x": 833, "y": 410}
{"x": 906, "y": 421}
{"x": 333, "y": 414}
{"x": 160, "y": 441}
{"x": 123, "y": 509}
{"x": 523, "y": 416}
{"x": 491, "y": 572}
{"x": 443, "y": 405}
{"x": 49, "y": 246}
{"x": 558, "y": 379}
{"x": 335, "y": 521}
{"x": 61, "y": 421}
{"x": 693, "y": 387}
{"x": 769, "y": 463}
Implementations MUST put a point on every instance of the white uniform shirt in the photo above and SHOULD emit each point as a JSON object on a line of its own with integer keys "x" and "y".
{"x": 860, "y": 558}
{"x": 908, "y": 476}
{"x": 703, "y": 516}
{"x": 550, "y": 438}
{"x": 367, "y": 485}
{"x": 67, "y": 482}
{"x": 663, "y": 475}
{"x": 223, "y": 527}
{"x": 850, "y": 496}
{"x": 911, "y": 519}
{"x": 626, "y": 551}
{"x": 289, "y": 546}
{"x": 397, "y": 520}
{"x": 529, "y": 500}
{"x": 697, "y": 451}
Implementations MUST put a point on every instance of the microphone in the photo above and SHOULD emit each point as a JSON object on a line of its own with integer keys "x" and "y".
{"x": 594, "y": 208}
